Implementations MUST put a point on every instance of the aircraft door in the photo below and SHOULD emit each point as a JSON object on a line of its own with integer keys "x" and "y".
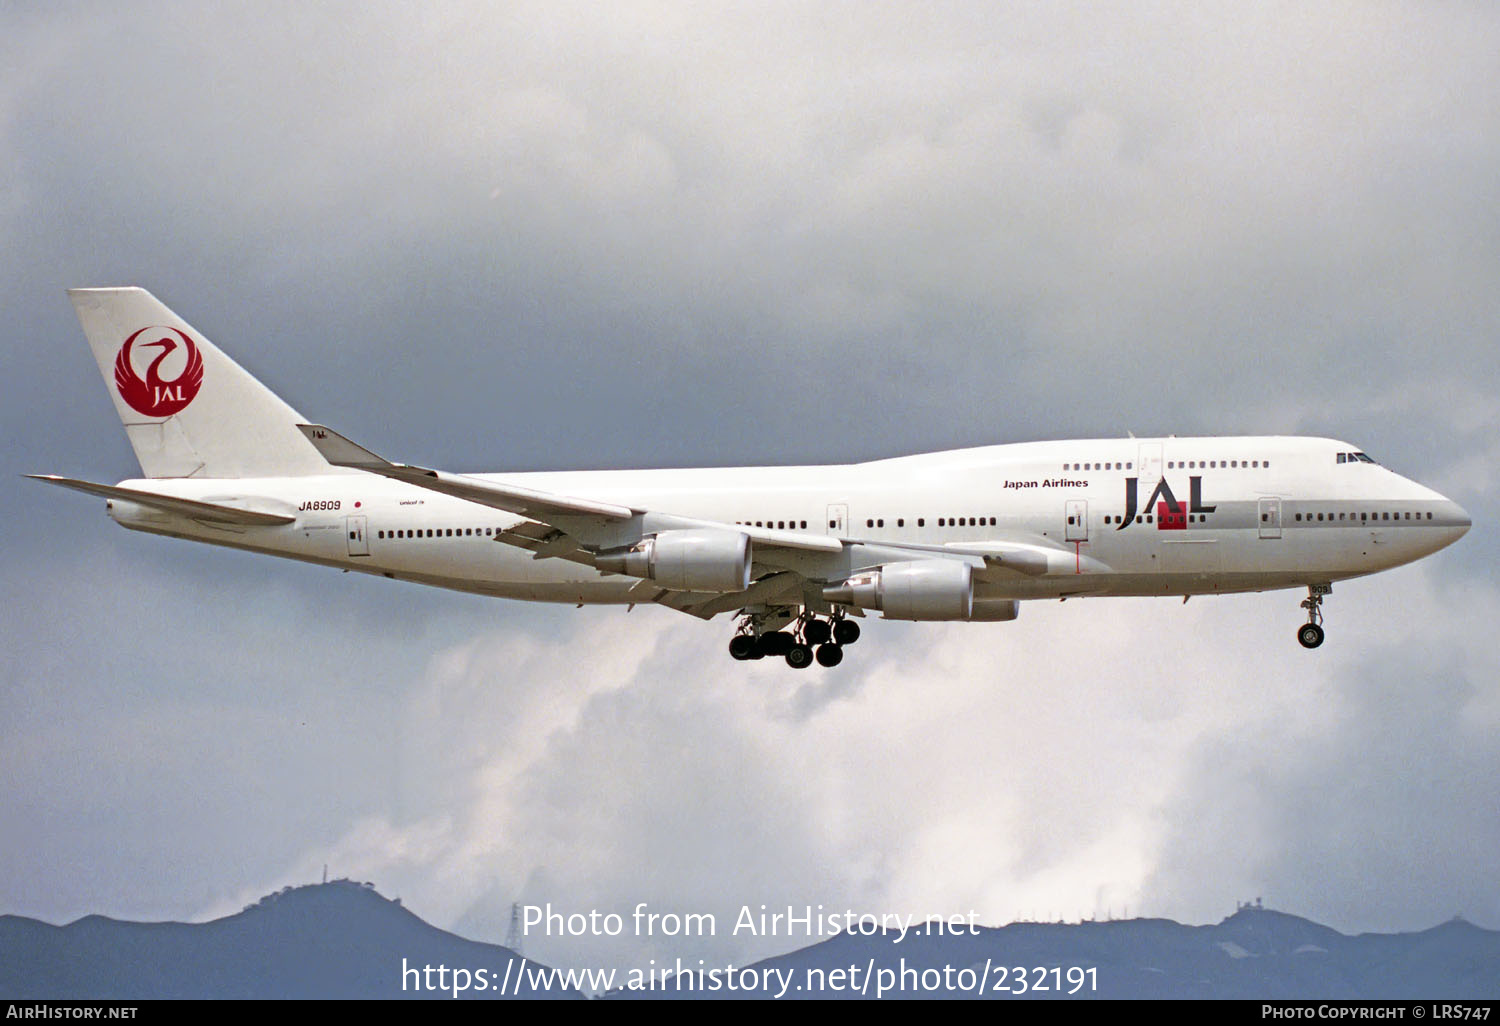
{"x": 1078, "y": 520}
{"x": 359, "y": 541}
{"x": 838, "y": 520}
{"x": 1270, "y": 517}
{"x": 1149, "y": 467}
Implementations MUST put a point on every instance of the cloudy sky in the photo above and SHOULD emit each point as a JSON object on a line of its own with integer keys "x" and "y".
{"x": 516, "y": 237}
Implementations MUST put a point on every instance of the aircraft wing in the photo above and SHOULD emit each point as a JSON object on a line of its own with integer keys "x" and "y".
{"x": 212, "y": 512}
{"x": 787, "y": 563}
{"x": 525, "y": 502}
{"x": 612, "y": 523}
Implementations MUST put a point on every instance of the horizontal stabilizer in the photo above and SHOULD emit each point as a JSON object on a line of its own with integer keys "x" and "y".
{"x": 191, "y": 508}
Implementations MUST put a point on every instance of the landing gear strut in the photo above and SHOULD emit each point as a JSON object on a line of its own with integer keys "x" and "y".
{"x": 1310, "y": 634}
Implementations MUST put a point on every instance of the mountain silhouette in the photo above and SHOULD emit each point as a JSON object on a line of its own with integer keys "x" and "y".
{"x": 344, "y": 940}
{"x": 1257, "y": 953}
{"x": 336, "y": 940}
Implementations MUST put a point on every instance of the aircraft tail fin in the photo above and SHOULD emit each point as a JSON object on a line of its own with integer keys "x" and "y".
{"x": 188, "y": 409}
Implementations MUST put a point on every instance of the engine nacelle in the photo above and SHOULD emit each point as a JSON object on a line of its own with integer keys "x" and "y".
{"x": 924, "y": 589}
{"x": 698, "y": 560}
{"x": 995, "y": 610}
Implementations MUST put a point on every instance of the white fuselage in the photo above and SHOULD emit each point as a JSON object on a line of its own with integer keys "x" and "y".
{"x": 1263, "y": 512}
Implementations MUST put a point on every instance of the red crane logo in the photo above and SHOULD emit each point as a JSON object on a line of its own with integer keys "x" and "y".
{"x": 152, "y": 396}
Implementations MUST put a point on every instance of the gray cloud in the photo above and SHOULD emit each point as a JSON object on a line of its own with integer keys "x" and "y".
{"x": 567, "y": 237}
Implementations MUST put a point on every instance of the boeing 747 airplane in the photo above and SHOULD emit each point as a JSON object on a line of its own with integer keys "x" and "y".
{"x": 798, "y": 554}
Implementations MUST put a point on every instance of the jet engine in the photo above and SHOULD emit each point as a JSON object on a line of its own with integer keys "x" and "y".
{"x": 697, "y": 560}
{"x": 924, "y": 589}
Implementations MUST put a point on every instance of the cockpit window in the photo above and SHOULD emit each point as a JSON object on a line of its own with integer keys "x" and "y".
{"x": 1354, "y": 457}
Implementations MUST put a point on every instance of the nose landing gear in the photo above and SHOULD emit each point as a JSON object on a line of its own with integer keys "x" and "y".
{"x": 1310, "y": 634}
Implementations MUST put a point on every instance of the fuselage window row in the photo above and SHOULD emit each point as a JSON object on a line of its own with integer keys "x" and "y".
{"x": 1195, "y": 464}
{"x": 879, "y": 522}
{"x": 1364, "y": 517}
{"x": 438, "y": 532}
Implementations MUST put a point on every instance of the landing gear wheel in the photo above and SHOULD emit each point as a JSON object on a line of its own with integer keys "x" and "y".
{"x": 777, "y": 642}
{"x": 815, "y": 632}
{"x": 1310, "y": 635}
{"x": 846, "y": 632}
{"x": 743, "y": 646}
{"x": 830, "y": 655}
{"x": 799, "y": 657}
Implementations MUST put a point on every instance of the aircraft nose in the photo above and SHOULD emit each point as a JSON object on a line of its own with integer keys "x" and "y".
{"x": 1459, "y": 518}
{"x": 1454, "y": 522}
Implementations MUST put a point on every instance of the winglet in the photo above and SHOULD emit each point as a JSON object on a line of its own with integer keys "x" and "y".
{"x": 340, "y": 452}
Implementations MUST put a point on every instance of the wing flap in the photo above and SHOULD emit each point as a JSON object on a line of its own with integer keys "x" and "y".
{"x": 1031, "y": 558}
{"x": 780, "y": 587}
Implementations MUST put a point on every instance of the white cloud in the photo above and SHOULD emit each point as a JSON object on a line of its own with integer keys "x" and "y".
{"x": 1058, "y": 766}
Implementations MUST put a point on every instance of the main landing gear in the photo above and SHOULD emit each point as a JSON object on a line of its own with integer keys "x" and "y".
{"x": 807, "y": 639}
{"x": 1310, "y": 634}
